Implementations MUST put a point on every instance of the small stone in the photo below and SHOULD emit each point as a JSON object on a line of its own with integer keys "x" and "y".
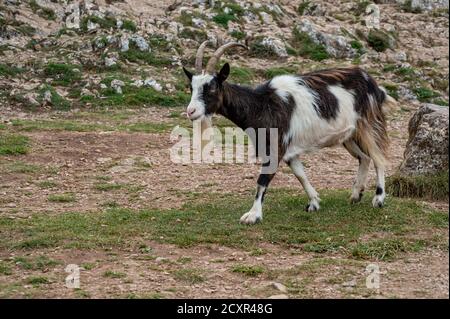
{"x": 279, "y": 287}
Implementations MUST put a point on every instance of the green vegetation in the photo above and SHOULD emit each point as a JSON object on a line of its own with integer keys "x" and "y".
{"x": 242, "y": 75}
{"x": 407, "y": 6}
{"x": 129, "y": 25}
{"x": 20, "y": 167}
{"x": 424, "y": 94}
{"x": 104, "y": 187}
{"x": 8, "y": 70}
{"x": 62, "y": 198}
{"x": 190, "y": 276}
{"x": 306, "y": 47}
{"x": 13, "y": 144}
{"x": 136, "y": 55}
{"x": 385, "y": 249}
{"x": 392, "y": 90}
{"x": 77, "y": 126}
{"x": 56, "y": 101}
{"x": 238, "y": 35}
{"x": 303, "y": 6}
{"x": 37, "y": 280}
{"x": 195, "y": 34}
{"x": 223, "y": 19}
{"x": 63, "y": 74}
{"x": 361, "y": 6}
{"x": 338, "y": 227}
{"x": 379, "y": 40}
{"x": 107, "y": 22}
{"x": 258, "y": 49}
{"x": 251, "y": 271}
{"x": 273, "y": 72}
{"x": 358, "y": 46}
{"x": 422, "y": 186}
{"x": 43, "y": 12}
{"x": 235, "y": 13}
{"x": 114, "y": 274}
{"x": 5, "y": 269}
{"x": 41, "y": 263}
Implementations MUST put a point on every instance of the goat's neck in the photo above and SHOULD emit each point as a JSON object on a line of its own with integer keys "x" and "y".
{"x": 239, "y": 102}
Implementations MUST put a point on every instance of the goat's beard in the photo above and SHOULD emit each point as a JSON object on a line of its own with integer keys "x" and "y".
{"x": 205, "y": 124}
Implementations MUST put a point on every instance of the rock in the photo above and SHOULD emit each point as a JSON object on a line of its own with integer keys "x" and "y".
{"x": 117, "y": 85}
{"x": 138, "y": 40}
{"x": 282, "y": 296}
{"x": 152, "y": 83}
{"x": 373, "y": 16}
{"x": 275, "y": 45}
{"x": 337, "y": 46}
{"x": 425, "y": 5}
{"x": 110, "y": 61}
{"x": 47, "y": 97}
{"x": 279, "y": 287}
{"x": 427, "y": 148}
{"x": 266, "y": 18}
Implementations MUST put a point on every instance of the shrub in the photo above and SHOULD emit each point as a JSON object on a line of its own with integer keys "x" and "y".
{"x": 431, "y": 186}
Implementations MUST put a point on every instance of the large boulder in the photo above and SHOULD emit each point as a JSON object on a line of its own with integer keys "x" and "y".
{"x": 427, "y": 148}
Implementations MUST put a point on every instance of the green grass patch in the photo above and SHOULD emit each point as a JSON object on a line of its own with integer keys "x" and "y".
{"x": 62, "y": 198}
{"x": 303, "y": 6}
{"x": 8, "y": 70}
{"x": 428, "y": 186}
{"x": 425, "y": 94}
{"x": 250, "y": 271}
{"x": 129, "y": 25}
{"x": 5, "y": 269}
{"x": 63, "y": 74}
{"x": 379, "y": 40}
{"x": 41, "y": 263}
{"x": 37, "y": 280}
{"x": 105, "y": 187}
{"x": 242, "y": 75}
{"x": 107, "y": 22}
{"x": 190, "y": 276}
{"x": 114, "y": 274}
{"x": 273, "y": 72}
{"x": 306, "y": 47}
{"x": 56, "y": 101}
{"x": 338, "y": 226}
{"x": 385, "y": 249}
{"x": 20, "y": 167}
{"x": 14, "y": 144}
{"x": 392, "y": 90}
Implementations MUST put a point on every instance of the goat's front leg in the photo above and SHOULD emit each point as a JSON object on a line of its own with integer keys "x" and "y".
{"x": 296, "y": 165}
{"x": 255, "y": 214}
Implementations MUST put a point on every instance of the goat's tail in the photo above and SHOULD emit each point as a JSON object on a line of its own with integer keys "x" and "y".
{"x": 371, "y": 131}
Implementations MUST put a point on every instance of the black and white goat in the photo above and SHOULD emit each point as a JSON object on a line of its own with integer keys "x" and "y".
{"x": 340, "y": 106}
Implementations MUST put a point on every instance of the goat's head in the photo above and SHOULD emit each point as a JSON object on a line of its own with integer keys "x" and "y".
{"x": 207, "y": 86}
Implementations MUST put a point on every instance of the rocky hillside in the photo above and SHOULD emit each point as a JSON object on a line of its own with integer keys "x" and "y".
{"x": 104, "y": 53}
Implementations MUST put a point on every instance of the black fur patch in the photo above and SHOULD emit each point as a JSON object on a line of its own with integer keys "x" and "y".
{"x": 379, "y": 191}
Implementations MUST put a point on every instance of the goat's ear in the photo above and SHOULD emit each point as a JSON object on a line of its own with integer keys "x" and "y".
{"x": 188, "y": 74}
{"x": 224, "y": 73}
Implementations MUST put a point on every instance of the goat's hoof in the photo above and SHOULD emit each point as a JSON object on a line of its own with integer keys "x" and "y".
{"x": 354, "y": 200}
{"x": 250, "y": 218}
{"x": 378, "y": 202}
{"x": 312, "y": 207}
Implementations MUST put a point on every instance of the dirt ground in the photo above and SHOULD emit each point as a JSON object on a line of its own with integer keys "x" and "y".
{"x": 76, "y": 161}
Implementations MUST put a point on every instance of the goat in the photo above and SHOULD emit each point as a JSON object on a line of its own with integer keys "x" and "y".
{"x": 342, "y": 106}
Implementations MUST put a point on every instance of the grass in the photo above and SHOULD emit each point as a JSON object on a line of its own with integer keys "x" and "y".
{"x": 114, "y": 274}
{"x": 338, "y": 227}
{"x": 250, "y": 271}
{"x": 21, "y": 167}
{"x": 13, "y": 144}
{"x": 273, "y": 72}
{"x": 425, "y": 94}
{"x": 384, "y": 249}
{"x": 41, "y": 263}
{"x": 242, "y": 75}
{"x": 63, "y": 74}
{"x": 104, "y": 187}
{"x": 78, "y": 126}
{"x": 303, "y": 6}
{"x": 379, "y": 40}
{"x": 37, "y": 280}
{"x": 9, "y": 70}
{"x": 306, "y": 47}
{"x": 190, "y": 276}
{"x": 105, "y": 23}
{"x": 432, "y": 186}
{"x": 407, "y": 6}
{"x": 56, "y": 101}
{"x": 135, "y": 55}
{"x": 62, "y": 198}
{"x": 5, "y": 269}
{"x": 392, "y": 90}
{"x": 129, "y": 25}
{"x": 43, "y": 12}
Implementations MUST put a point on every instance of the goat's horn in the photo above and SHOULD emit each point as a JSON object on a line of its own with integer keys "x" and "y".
{"x": 211, "y": 66}
{"x": 199, "y": 57}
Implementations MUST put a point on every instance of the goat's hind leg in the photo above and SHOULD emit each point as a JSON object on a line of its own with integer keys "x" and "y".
{"x": 363, "y": 170}
{"x": 297, "y": 167}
